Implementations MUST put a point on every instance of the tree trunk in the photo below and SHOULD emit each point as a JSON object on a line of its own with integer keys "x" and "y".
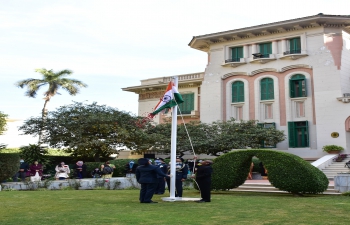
{"x": 43, "y": 117}
{"x": 97, "y": 157}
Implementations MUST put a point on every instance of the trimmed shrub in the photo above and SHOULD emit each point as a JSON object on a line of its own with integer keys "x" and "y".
{"x": 34, "y": 152}
{"x": 286, "y": 171}
{"x": 9, "y": 165}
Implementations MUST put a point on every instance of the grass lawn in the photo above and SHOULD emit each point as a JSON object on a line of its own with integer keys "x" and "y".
{"x": 122, "y": 207}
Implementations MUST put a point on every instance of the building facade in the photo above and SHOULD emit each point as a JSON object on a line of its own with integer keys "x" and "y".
{"x": 293, "y": 75}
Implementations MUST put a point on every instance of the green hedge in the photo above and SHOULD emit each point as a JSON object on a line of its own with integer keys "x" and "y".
{"x": 9, "y": 165}
{"x": 286, "y": 171}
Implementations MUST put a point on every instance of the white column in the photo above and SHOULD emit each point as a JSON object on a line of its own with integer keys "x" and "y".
{"x": 245, "y": 51}
{"x": 284, "y": 45}
{"x": 254, "y": 49}
{"x": 274, "y": 47}
{"x": 303, "y": 42}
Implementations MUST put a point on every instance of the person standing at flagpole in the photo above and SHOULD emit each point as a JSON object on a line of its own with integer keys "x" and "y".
{"x": 146, "y": 175}
{"x": 203, "y": 179}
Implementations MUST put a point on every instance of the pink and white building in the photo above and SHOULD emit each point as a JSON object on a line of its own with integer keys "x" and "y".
{"x": 293, "y": 74}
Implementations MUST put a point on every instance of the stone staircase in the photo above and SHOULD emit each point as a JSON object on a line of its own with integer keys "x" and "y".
{"x": 256, "y": 186}
{"x": 336, "y": 167}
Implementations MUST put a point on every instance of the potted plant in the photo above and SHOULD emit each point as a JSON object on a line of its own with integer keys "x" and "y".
{"x": 332, "y": 149}
{"x": 340, "y": 158}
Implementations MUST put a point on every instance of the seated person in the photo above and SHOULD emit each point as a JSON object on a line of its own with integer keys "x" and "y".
{"x": 96, "y": 173}
{"x": 62, "y": 171}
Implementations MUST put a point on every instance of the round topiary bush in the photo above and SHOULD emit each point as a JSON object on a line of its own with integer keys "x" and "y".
{"x": 9, "y": 165}
{"x": 286, "y": 171}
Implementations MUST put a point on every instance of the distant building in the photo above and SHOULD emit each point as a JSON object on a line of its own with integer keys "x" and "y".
{"x": 293, "y": 75}
{"x": 151, "y": 90}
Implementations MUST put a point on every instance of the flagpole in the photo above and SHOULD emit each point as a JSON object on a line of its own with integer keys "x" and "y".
{"x": 173, "y": 146}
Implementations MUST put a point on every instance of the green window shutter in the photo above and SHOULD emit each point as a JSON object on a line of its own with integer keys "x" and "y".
{"x": 240, "y": 52}
{"x": 238, "y": 91}
{"x": 263, "y": 90}
{"x": 292, "y": 88}
{"x": 266, "y": 89}
{"x": 188, "y": 105}
{"x": 291, "y": 135}
{"x": 303, "y": 87}
{"x": 237, "y": 54}
{"x": 307, "y": 144}
{"x": 297, "y": 85}
{"x": 294, "y": 45}
{"x": 270, "y": 91}
{"x": 266, "y": 49}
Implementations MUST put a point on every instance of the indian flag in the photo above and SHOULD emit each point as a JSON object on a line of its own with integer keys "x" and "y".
{"x": 170, "y": 99}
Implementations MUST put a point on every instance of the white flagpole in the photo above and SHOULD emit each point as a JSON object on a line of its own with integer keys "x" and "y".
{"x": 173, "y": 146}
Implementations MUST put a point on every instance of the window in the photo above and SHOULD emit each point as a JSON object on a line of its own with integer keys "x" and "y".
{"x": 294, "y": 46}
{"x": 266, "y": 89}
{"x": 265, "y": 49}
{"x": 297, "y": 86}
{"x": 298, "y": 134}
{"x": 238, "y": 91}
{"x": 236, "y": 54}
{"x": 266, "y": 144}
{"x": 188, "y": 105}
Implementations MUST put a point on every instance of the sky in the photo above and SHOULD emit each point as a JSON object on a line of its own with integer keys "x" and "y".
{"x": 114, "y": 44}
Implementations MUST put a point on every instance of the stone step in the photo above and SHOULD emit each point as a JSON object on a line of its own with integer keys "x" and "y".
{"x": 268, "y": 188}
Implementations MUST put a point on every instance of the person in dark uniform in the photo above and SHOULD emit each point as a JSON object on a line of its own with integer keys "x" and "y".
{"x": 203, "y": 178}
{"x": 161, "y": 182}
{"x": 181, "y": 175}
{"x": 146, "y": 175}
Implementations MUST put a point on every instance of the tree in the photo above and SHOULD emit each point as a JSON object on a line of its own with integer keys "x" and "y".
{"x": 219, "y": 136}
{"x": 88, "y": 130}
{"x": 55, "y": 81}
{"x": 3, "y": 118}
{"x": 33, "y": 153}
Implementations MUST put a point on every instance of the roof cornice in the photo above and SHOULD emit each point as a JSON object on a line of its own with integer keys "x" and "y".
{"x": 202, "y": 42}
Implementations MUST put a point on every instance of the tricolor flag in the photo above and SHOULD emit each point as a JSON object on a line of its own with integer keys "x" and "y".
{"x": 170, "y": 99}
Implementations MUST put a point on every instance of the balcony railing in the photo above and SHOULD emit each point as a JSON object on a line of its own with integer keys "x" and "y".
{"x": 298, "y": 51}
{"x": 233, "y": 60}
{"x": 192, "y": 76}
{"x": 259, "y": 56}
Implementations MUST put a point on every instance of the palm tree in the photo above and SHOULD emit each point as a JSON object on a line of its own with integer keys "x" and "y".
{"x": 55, "y": 81}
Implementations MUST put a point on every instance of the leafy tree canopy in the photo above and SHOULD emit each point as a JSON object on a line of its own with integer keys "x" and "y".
{"x": 3, "y": 118}
{"x": 88, "y": 130}
{"x": 219, "y": 136}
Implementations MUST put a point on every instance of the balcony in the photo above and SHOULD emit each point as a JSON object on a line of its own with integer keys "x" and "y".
{"x": 262, "y": 58}
{"x": 294, "y": 54}
{"x": 234, "y": 62}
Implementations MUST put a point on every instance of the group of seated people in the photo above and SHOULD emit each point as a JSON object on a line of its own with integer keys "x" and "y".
{"x": 62, "y": 171}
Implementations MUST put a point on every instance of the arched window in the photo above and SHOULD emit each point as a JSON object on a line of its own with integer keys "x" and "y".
{"x": 238, "y": 91}
{"x": 266, "y": 89}
{"x": 297, "y": 86}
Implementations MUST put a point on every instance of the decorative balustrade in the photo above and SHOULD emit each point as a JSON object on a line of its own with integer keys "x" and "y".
{"x": 185, "y": 77}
